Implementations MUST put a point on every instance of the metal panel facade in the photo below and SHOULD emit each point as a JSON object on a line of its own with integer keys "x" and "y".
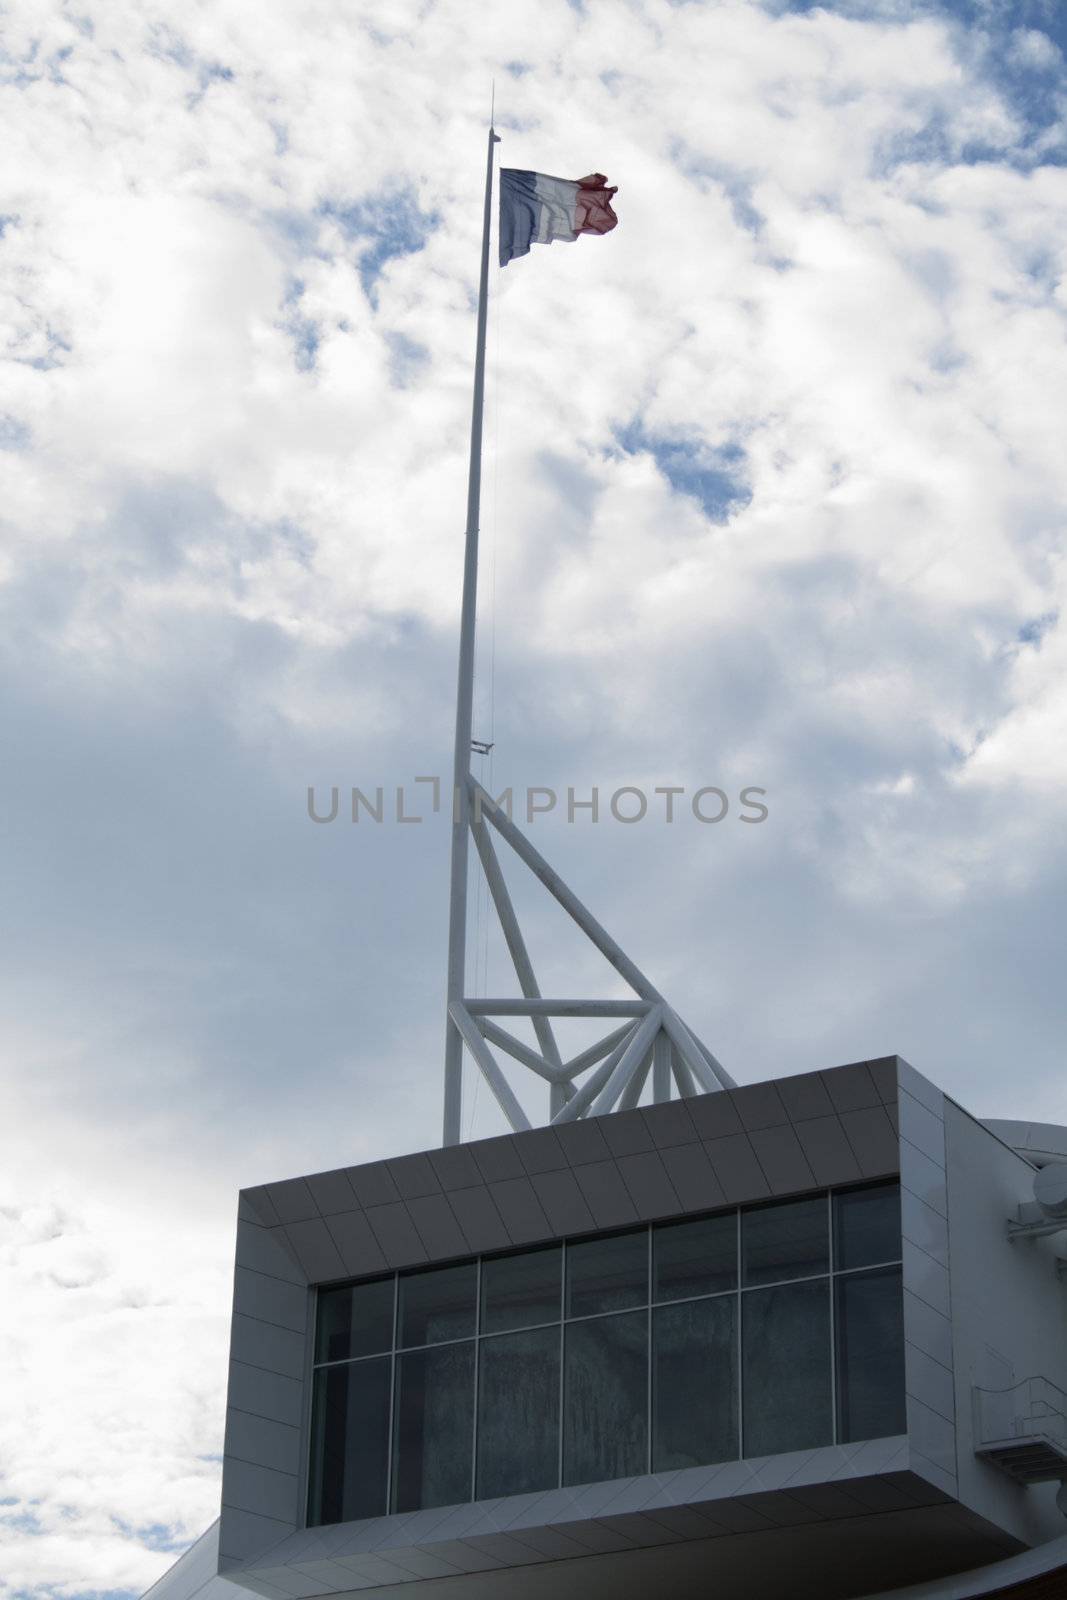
{"x": 758, "y": 1142}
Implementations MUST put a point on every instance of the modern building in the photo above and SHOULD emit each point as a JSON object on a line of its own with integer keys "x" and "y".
{"x": 805, "y": 1337}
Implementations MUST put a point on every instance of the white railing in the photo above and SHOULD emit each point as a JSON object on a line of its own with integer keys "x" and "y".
{"x": 1023, "y": 1429}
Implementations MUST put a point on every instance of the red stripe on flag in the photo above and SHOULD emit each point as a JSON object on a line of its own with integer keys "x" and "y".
{"x": 593, "y": 213}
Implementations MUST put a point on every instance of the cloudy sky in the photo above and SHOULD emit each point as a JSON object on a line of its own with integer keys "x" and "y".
{"x": 774, "y": 496}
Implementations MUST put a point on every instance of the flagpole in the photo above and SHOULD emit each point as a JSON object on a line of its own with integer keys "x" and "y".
{"x": 461, "y": 767}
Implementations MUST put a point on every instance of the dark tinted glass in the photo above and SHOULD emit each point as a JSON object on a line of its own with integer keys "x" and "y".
{"x": 785, "y": 1335}
{"x": 607, "y": 1274}
{"x": 354, "y": 1321}
{"x": 867, "y": 1226}
{"x": 437, "y": 1305}
{"x": 518, "y": 1412}
{"x": 605, "y": 1405}
{"x": 434, "y": 1427}
{"x": 694, "y": 1383}
{"x": 691, "y": 1258}
{"x": 349, "y": 1441}
{"x": 870, "y": 1355}
{"x": 521, "y": 1290}
{"x": 791, "y": 1240}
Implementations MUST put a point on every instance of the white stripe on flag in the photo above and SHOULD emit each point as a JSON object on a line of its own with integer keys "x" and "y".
{"x": 558, "y": 210}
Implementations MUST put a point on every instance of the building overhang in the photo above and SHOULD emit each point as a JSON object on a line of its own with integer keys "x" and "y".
{"x": 822, "y": 1515}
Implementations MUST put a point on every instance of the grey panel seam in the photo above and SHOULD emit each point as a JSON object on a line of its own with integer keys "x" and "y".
{"x": 537, "y": 1555}
{"x": 940, "y": 1165}
{"x": 257, "y": 1272}
{"x": 881, "y": 1106}
{"x": 260, "y": 1467}
{"x": 935, "y": 1466}
{"x": 928, "y": 1304}
{"x": 755, "y": 1156}
{"x": 929, "y": 1357}
{"x": 262, "y": 1516}
{"x": 396, "y": 1557}
{"x": 940, "y": 1266}
{"x": 279, "y": 1522}
{"x": 906, "y": 1094}
{"x": 275, "y": 1372}
{"x": 934, "y": 1410}
{"x": 268, "y": 1322}
{"x": 267, "y": 1227}
{"x": 952, "y": 1326}
{"x": 243, "y": 1411}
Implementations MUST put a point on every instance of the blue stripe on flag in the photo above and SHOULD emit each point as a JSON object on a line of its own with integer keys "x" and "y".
{"x": 520, "y": 209}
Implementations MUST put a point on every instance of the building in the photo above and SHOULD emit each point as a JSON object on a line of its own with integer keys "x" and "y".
{"x": 803, "y": 1338}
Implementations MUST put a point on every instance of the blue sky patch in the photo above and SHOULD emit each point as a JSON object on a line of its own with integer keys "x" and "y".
{"x": 1017, "y": 45}
{"x": 58, "y": 347}
{"x": 296, "y": 229}
{"x": 384, "y": 226}
{"x": 169, "y": 45}
{"x": 407, "y": 358}
{"x": 302, "y": 329}
{"x": 19, "y": 1521}
{"x": 14, "y": 433}
{"x": 154, "y": 1535}
{"x": 734, "y": 183}
{"x": 712, "y": 475}
{"x": 30, "y": 68}
{"x": 1034, "y": 630}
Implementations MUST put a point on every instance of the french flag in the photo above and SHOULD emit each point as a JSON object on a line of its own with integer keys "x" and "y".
{"x": 536, "y": 208}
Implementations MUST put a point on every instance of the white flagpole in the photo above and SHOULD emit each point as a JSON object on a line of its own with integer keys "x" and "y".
{"x": 457, "y": 915}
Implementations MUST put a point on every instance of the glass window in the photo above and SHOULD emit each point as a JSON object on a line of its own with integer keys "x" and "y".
{"x": 693, "y": 1258}
{"x": 607, "y": 1274}
{"x": 518, "y": 1412}
{"x": 350, "y": 1441}
{"x": 484, "y": 1377}
{"x": 605, "y": 1405}
{"x": 354, "y": 1321}
{"x": 870, "y": 1355}
{"x": 790, "y": 1240}
{"x": 521, "y": 1290}
{"x": 694, "y": 1383}
{"x": 433, "y": 1433}
{"x": 867, "y": 1226}
{"x": 785, "y": 1336}
{"x": 437, "y": 1305}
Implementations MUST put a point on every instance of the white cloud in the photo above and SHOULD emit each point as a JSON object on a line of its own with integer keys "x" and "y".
{"x": 111, "y": 1428}
{"x": 239, "y": 406}
{"x": 1032, "y": 48}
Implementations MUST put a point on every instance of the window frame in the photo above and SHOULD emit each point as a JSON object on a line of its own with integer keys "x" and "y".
{"x": 738, "y": 1292}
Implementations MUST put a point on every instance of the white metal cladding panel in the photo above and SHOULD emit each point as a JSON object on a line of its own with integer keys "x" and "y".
{"x": 1008, "y": 1314}
{"x": 263, "y": 1456}
{"x": 257, "y": 1294}
{"x": 259, "y": 1439}
{"x": 784, "y": 1491}
{"x": 753, "y": 1143}
{"x": 928, "y": 1360}
{"x": 194, "y": 1576}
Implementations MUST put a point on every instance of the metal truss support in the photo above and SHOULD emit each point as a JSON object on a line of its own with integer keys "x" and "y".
{"x": 610, "y": 1074}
